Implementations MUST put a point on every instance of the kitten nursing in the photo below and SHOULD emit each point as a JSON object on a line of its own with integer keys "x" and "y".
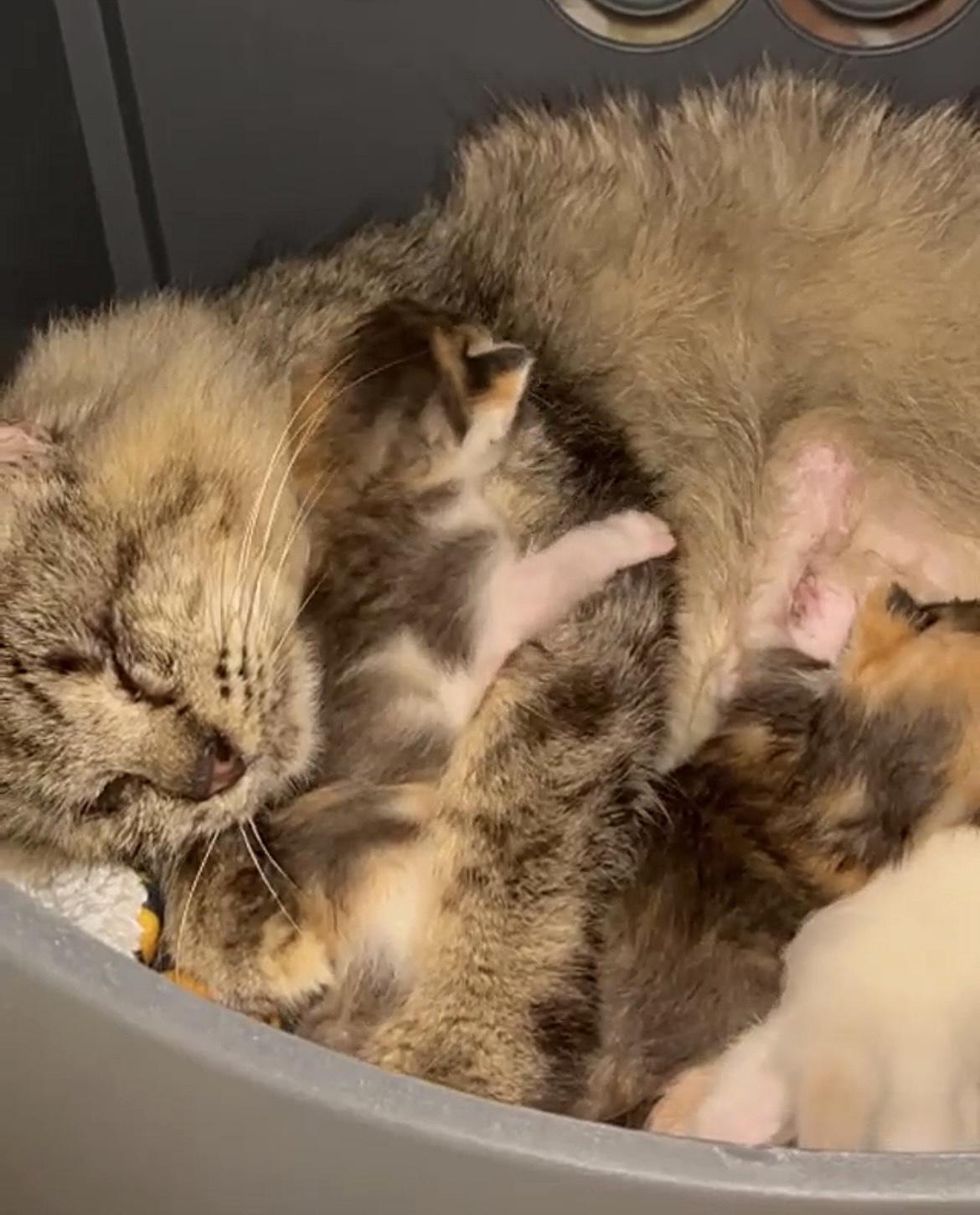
{"x": 833, "y": 775}
{"x": 188, "y": 559}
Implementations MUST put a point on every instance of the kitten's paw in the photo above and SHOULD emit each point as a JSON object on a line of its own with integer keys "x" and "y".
{"x": 741, "y": 1097}
{"x": 293, "y": 960}
{"x": 676, "y": 1111}
{"x": 636, "y": 535}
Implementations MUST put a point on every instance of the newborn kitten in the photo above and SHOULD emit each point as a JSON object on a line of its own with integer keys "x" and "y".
{"x": 875, "y": 1043}
{"x": 424, "y": 592}
{"x": 423, "y": 596}
{"x": 818, "y": 777}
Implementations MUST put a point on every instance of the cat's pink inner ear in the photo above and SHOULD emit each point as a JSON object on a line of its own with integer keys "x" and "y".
{"x": 22, "y": 442}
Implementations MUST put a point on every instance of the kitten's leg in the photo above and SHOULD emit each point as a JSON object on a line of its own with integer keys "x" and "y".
{"x": 741, "y": 1097}
{"x": 529, "y": 596}
{"x": 504, "y": 1002}
{"x": 836, "y": 1093}
{"x": 675, "y": 1112}
{"x": 922, "y": 1108}
{"x": 270, "y": 915}
{"x": 242, "y": 936}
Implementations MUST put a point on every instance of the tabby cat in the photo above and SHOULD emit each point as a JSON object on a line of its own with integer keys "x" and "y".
{"x": 707, "y": 288}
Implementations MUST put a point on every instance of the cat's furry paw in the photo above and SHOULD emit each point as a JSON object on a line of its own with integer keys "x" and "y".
{"x": 293, "y": 960}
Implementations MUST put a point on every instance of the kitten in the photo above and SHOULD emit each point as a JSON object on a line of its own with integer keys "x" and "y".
{"x": 874, "y": 1044}
{"x": 425, "y": 592}
{"x": 835, "y": 776}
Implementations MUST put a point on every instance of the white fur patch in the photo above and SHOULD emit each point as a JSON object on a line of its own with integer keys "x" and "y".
{"x": 876, "y": 1042}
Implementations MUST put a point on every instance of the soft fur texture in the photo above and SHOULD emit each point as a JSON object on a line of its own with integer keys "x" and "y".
{"x": 150, "y": 588}
{"x": 705, "y": 289}
{"x": 874, "y": 1044}
{"x": 422, "y": 596}
{"x": 816, "y": 779}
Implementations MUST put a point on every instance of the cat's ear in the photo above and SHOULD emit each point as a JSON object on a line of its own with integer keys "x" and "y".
{"x": 478, "y": 390}
{"x": 412, "y": 390}
{"x": 887, "y": 620}
{"x": 23, "y": 446}
{"x": 914, "y": 615}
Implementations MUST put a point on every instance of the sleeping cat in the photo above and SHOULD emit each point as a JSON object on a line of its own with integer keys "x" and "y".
{"x": 708, "y": 288}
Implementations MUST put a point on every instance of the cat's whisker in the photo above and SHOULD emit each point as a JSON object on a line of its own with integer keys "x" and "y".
{"x": 178, "y": 944}
{"x": 213, "y": 611}
{"x": 265, "y": 881}
{"x": 287, "y": 631}
{"x": 268, "y": 855}
{"x": 294, "y": 414}
{"x": 307, "y": 506}
{"x": 307, "y": 430}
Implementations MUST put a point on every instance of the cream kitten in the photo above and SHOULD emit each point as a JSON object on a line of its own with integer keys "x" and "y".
{"x": 875, "y": 1043}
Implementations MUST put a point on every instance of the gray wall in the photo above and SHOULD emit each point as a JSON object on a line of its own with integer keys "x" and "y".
{"x": 52, "y": 250}
{"x": 270, "y": 124}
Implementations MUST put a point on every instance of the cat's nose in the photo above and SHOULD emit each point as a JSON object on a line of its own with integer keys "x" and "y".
{"x": 219, "y": 768}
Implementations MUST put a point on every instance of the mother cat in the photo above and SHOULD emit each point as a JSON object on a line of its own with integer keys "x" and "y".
{"x": 704, "y": 287}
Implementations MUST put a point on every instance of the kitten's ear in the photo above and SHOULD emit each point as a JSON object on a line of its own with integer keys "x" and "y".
{"x": 886, "y": 621}
{"x": 23, "y": 446}
{"x": 413, "y": 390}
{"x": 479, "y": 388}
{"x": 917, "y": 616}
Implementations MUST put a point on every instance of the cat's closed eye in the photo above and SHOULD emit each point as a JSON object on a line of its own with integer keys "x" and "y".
{"x": 137, "y": 688}
{"x": 70, "y": 662}
{"x": 73, "y": 662}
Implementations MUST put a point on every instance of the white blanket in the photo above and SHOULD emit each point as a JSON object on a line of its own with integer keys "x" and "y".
{"x": 103, "y": 902}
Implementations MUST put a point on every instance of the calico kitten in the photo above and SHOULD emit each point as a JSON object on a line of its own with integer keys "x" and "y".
{"x": 817, "y": 779}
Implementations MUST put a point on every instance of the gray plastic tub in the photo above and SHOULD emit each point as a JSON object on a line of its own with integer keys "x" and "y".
{"x": 121, "y": 1094}
{"x": 213, "y": 126}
